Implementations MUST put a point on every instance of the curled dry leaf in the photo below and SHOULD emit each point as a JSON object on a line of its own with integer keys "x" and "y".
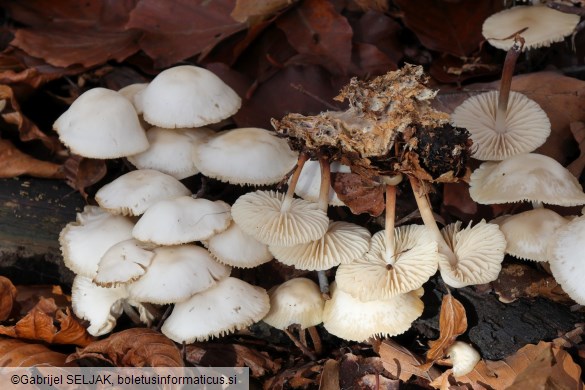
{"x": 304, "y": 376}
{"x": 360, "y": 194}
{"x": 38, "y": 324}
{"x": 357, "y": 372}
{"x": 231, "y": 355}
{"x": 542, "y": 366}
{"x": 81, "y": 172}
{"x": 402, "y": 363}
{"x": 14, "y": 163}
{"x": 135, "y": 347}
{"x": 18, "y": 353}
{"x": 7, "y": 296}
{"x": 27, "y": 130}
{"x": 452, "y": 323}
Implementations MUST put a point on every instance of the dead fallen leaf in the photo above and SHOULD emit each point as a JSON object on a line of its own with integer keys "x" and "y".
{"x": 135, "y": 347}
{"x": 360, "y": 194}
{"x": 320, "y": 34}
{"x": 254, "y": 11}
{"x": 452, "y": 27}
{"x": 14, "y": 163}
{"x": 544, "y": 366}
{"x": 231, "y": 355}
{"x": 452, "y": 323}
{"x": 81, "y": 172}
{"x": 330, "y": 375}
{"x": 304, "y": 376}
{"x": 27, "y": 130}
{"x": 578, "y": 131}
{"x": 376, "y": 5}
{"x": 7, "y": 296}
{"x": 357, "y": 372}
{"x": 383, "y": 32}
{"x": 402, "y": 363}
{"x": 174, "y": 31}
{"x": 520, "y": 280}
{"x": 18, "y": 353}
{"x": 39, "y": 324}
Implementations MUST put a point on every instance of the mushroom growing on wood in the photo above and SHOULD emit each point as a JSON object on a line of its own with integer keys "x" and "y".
{"x": 101, "y": 124}
{"x": 187, "y": 96}
{"x": 230, "y": 305}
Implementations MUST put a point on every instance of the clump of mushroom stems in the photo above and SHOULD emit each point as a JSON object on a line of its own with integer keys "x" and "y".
{"x": 428, "y": 218}
{"x": 506, "y": 83}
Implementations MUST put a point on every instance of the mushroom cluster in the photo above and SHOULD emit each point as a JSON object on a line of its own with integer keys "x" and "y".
{"x": 138, "y": 247}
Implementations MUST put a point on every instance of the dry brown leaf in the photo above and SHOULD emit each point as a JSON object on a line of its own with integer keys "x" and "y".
{"x": 135, "y": 347}
{"x": 14, "y": 163}
{"x": 578, "y": 131}
{"x": 231, "y": 355}
{"x": 544, "y": 366}
{"x": 7, "y": 297}
{"x": 305, "y": 376}
{"x": 254, "y": 11}
{"x": 27, "y": 130}
{"x": 81, "y": 172}
{"x": 39, "y": 324}
{"x": 520, "y": 280}
{"x": 358, "y": 372}
{"x": 174, "y": 31}
{"x": 18, "y": 353}
{"x": 360, "y": 194}
{"x": 452, "y": 323}
{"x": 320, "y": 34}
{"x": 402, "y": 363}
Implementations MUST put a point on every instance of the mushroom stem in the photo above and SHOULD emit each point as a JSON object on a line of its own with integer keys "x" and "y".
{"x": 299, "y": 345}
{"x": 506, "y": 83}
{"x": 316, "y": 339}
{"x": 389, "y": 223}
{"x": 429, "y": 220}
{"x": 325, "y": 183}
{"x": 324, "y": 285}
{"x": 293, "y": 183}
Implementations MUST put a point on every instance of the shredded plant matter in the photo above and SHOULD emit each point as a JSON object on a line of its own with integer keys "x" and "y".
{"x": 389, "y": 128}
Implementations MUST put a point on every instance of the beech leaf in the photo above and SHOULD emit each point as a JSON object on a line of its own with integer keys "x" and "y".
{"x": 135, "y": 347}
{"x": 7, "y": 296}
{"x": 402, "y": 363}
{"x": 18, "y": 353}
{"x": 246, "y": 11}
{"x": 360, "y": 194}
{"x": 14, "y": 163}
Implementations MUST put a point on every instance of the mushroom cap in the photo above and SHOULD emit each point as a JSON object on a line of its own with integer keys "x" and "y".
{"x": 182, "y": 220}
{"x": 230, "y": 305}
{"x": 352, "y": 319}
{"x": 245, "y": 156}
{"x": 341, "y": 244}
{"x": 238, "y": 249}
{"x": 176, "y": 273}
{"x": 171, "y": 151}
{"x": 124, "y": 262}
{"x": 259, "y": 215}
{"x": 543, "y": 26}
{"x": 463, "y": 356}
{"x": 525, "y": 177}
{"x": 102, "y": 124}
{"x": 101, "y": 306}
{"x": 135, "y": 191}
{"x": 528, "y": 233}
{"x": 526, "y": 126}
{"x": 479, "y": 251}
{"x": 188, "y": 96}
{"x": 371, "y": 277}
{"x": 296, "y": 301}
{"x": 567, "y": 258}
{"x": 309, "y": 183}
{"x": 133, "y": 93}
{"x": 85, "y": 241}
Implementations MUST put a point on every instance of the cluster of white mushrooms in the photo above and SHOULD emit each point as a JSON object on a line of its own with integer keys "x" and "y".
{"x": 151, "y": 241}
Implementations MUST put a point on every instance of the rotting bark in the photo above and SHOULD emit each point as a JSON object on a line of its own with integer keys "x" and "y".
{"x": 32, "y": 214}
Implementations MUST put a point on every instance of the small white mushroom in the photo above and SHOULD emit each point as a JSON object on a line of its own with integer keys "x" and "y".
{"x": 464, "y": 358}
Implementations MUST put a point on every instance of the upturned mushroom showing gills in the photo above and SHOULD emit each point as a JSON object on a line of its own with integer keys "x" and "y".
{"x": 503, "y": 123}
